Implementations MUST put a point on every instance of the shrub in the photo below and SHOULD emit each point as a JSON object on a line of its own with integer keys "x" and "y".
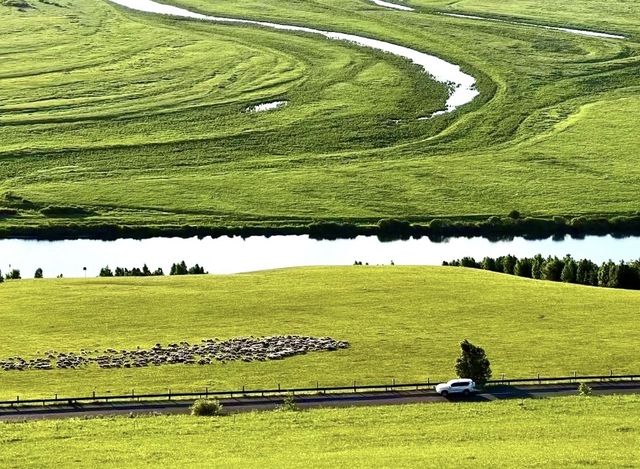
{"x": 105, "y": 272}
{"x": 514, "y": 214}
{"x": 584, "y": 389}
{"x": 65, "y": 211}
{"x": 13, "y": 275}
{"x": 206, "y": 408}
{"x": 38, "y": 273}
{"x": 288, "y": 404}
{"x": 473, "y": 363}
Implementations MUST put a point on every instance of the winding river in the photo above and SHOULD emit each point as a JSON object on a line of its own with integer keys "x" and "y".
{"x": 463, "y": 88}
{"x": 226, "y": 255}
{"x": 580, "y": 32}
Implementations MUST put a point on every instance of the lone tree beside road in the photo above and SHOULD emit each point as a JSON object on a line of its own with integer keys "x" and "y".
{"x": 473, "y": 363}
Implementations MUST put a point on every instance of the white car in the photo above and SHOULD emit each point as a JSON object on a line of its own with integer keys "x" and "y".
{"x": 456, "y": 386}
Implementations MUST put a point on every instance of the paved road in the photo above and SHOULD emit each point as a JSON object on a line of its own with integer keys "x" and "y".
{"x": 247, "y": 404}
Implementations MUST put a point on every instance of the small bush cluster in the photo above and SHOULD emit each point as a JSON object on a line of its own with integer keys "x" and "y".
{"x": 206, "y": 408}
{"x": 14, "y": 274}
{"x": 65, "y": 211}
{"x": 584, "y": 272}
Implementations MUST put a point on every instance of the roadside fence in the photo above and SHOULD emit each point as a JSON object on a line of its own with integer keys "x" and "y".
{"x": 279, "y": 391}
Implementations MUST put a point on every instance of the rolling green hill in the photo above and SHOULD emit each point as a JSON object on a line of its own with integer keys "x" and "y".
{"x": 401, "y": 322}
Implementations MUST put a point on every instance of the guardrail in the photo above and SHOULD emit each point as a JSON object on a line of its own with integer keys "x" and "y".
{"x": 206, "y": 393}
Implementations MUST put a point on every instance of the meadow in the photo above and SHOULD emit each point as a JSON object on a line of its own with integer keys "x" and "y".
{"x": 402, "y": 323}
{"x": 561, "y": 432}
{"x": 140, "y": 120}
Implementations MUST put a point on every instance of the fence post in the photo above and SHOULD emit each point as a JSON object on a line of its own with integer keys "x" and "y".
{"x": 206, "y": 392}
{"x": 354, "y": 386}
{"x": 539, "y": 382}
{"x": 169, "y": 394}
{"x": 94, "y": 394}
{"x": 317, "y": 386}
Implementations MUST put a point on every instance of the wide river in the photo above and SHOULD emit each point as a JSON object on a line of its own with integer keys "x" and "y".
{"x": 232, "y": 255}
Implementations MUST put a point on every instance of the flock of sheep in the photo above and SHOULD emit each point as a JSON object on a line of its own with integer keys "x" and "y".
{"x": 247, "y": 349}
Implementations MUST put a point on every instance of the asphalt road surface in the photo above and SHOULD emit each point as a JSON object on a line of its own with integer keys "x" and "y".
{"x": 247, "y": 404}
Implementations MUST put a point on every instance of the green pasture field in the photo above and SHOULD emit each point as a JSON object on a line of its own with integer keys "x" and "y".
{"x": 141, "y": 120}
{"x": 403, "y": 323}
{"x": 560, "y": 432}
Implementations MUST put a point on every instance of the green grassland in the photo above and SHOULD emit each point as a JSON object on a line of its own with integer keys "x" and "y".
{"x": 402, "y": 322}
{"x": 563, "y": 432}
{"x": 140, "y": 119}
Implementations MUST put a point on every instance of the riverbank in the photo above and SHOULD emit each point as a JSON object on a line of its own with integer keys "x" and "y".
{"x": 61, "y": 227}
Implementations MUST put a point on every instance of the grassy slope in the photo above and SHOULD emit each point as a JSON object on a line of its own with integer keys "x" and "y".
{"x": 573, "y": 432}
{"x": 556, "y": 139}
{"x": 402, "y": 322}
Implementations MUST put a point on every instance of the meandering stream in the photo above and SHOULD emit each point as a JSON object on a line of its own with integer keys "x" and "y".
{"x": 463, "y": 88}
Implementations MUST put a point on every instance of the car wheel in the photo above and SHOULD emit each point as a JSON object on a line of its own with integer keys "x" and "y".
{"x": 466, "y": 393}
{"x": 444, "y": 393}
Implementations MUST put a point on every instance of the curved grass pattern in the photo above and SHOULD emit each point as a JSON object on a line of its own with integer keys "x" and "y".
{"x": 140, "y": 119}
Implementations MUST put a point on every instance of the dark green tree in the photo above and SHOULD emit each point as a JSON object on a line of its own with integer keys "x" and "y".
{"x": 552, "y": 269}
{"x": 473, "y": 363}
{"x": 587, "y": 273}
{"x": 38, "y": 273}
{"x": 13, "y": 275}
{"x": 536, "y": 267}
{"x": 605, "y": 273}
{"x": 569, "y": 270}
{"x": 489, "y": 263}
{"x": 523, "y": 267}
{"x": 509, "y": 264}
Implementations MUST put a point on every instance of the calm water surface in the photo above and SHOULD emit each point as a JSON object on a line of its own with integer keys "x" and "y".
{"x": 232, "y": 255}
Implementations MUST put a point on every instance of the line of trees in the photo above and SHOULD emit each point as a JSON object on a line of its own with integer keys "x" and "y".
{"x": 134, "y": 272}
{"x": 584, "y": 272}
{"x": 178, "y": 268}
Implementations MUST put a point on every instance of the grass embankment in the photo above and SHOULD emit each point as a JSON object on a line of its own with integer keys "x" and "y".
{"x": 402, "y": 322}
{"x": 139, "y": 120}
{"x": 562, "y": 432}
